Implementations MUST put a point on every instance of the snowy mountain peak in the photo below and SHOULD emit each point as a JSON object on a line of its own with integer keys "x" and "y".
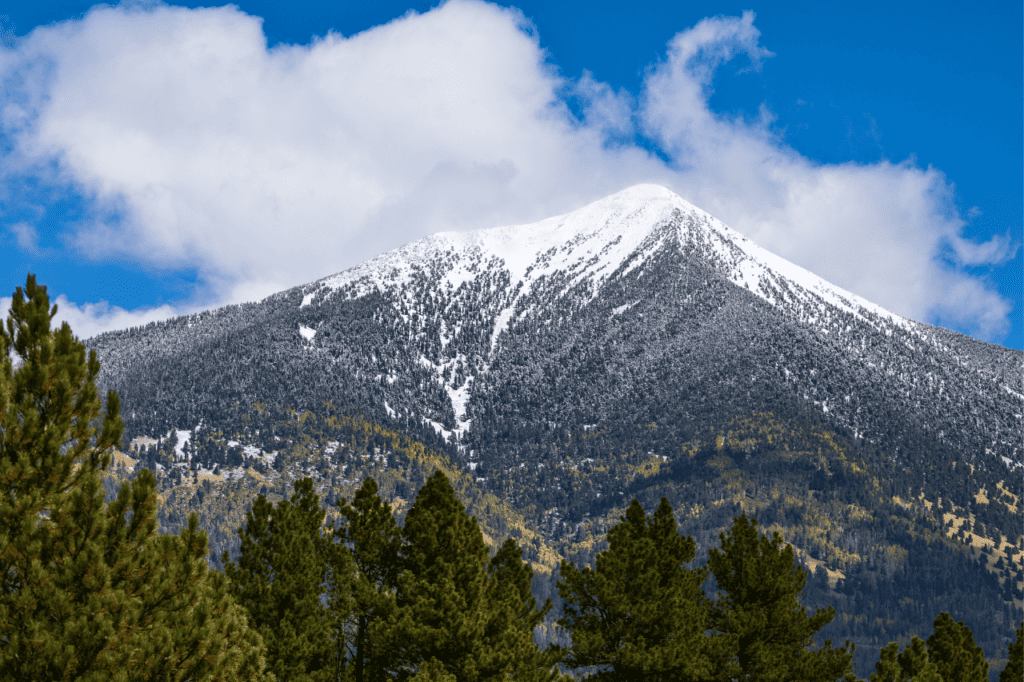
{"x": 639, "y": 308}
{"x": 624, "y": 218}
{"x": 507, "y": 276}
{"x": 612, "y": 235}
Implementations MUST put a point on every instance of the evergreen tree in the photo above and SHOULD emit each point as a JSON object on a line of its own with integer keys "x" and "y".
{"x": 910, "y": 666}
{"x": 456, "y": 609}
{"x": 639, "y": 614}
{"x": 513, "y": 618}
{"x": 442, "y": 592}
{"x": 1014, "y": 670}
{"x": 951, "y": 648}
{"x": 88, "y": 591}
{"x": 766, "y": 630}
{"x": 368, "y": 595}
{"x": 280, "y": 578}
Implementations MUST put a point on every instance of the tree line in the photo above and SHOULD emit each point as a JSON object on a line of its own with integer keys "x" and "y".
{"x": 92, "y": 591}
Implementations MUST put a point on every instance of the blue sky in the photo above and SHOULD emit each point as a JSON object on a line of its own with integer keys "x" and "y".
{"x": 158, "y": 159}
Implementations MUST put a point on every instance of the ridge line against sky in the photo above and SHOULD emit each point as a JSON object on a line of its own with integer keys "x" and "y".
{"x": 159, "y": 159}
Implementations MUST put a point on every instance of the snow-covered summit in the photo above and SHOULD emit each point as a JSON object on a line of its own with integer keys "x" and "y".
{"x": 624, "y": 218}
{"x": 592, "y": 242}
{"x": 484, "y": 282}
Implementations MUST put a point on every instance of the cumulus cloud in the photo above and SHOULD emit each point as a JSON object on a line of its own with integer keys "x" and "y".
{"x": 874, "y": 229}
{"x": 201, "y": 147}
{"x": 91, "y": 319}
{"x": 197, "y": 146}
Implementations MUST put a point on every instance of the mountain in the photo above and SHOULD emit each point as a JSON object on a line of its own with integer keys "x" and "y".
{"x": 636, "y": 347}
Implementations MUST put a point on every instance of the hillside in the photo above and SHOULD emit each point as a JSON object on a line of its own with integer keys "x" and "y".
{"x": 634, "y": 348}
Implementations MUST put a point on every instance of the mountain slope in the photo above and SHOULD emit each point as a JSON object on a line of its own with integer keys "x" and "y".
{"x": 459, "y": 303}
{"x": 635, "y": 347}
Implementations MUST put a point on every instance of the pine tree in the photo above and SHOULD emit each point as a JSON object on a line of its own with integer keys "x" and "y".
{"x": 90, "y": 591}
{"x": 442, "y": 591}
{"x": 910, "y": 666}
{"x": 639, "y": 614}
{"x": 951, "y": 648}
{"x": 1014, "y": 670}
{"x": 280, "y": 577}
{"x": 766, "y": 630}
{"x": 458, "y": 610}
{"x": 368, "y": 596}
{"x": 513, "y": 618}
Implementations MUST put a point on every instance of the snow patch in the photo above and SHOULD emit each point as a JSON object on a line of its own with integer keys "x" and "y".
{"x": 308, "y": 333}
{"x": 232, "y": 474}
{"x": 1012, "y": 392}
{"x": 500, "y": 325}
{"x": 623, "y": 308}
{"x": 460, "y": 398}
{"x": 183, "y": 437}
{"x": 439, "y": 428}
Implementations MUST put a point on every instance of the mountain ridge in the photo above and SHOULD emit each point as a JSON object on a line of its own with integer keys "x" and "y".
{"x": 520, "y": 247}
{"x": 564, "y": 262}
{"x": 634, "y": 348}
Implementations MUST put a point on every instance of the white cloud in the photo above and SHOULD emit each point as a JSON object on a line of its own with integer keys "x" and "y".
{"x": 296, "y": 162}
{"x": 199, "y": 147}
{"x": 877, "y": 229}
{"x": 26, "y": 237}
{"x": 996, "y": 251}
{"x": 91, "y": 319}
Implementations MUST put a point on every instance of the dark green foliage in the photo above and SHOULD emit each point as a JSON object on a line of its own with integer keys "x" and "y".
{"x": 450, "y": 609}
{"x": 768, "y": 632}
{"x": 433, "y": 671}
{"x": 280, "y": 578}
{"x": 374, "y": 538}
{"x": 774, "y": 464}
{"x": 910, "y": 666}
{"x": 90, "y": 591}
{"x": 514, "y": 616}
{"x": 48, "y": 407}
{"x": 1014, "y": 670}
{"x": 442, "y": 592}
{"x": 951, "y": 648}
{"x": 640, "y": 614}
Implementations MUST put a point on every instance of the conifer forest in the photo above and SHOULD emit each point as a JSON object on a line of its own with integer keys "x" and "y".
{"x": 296, "y": 537}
